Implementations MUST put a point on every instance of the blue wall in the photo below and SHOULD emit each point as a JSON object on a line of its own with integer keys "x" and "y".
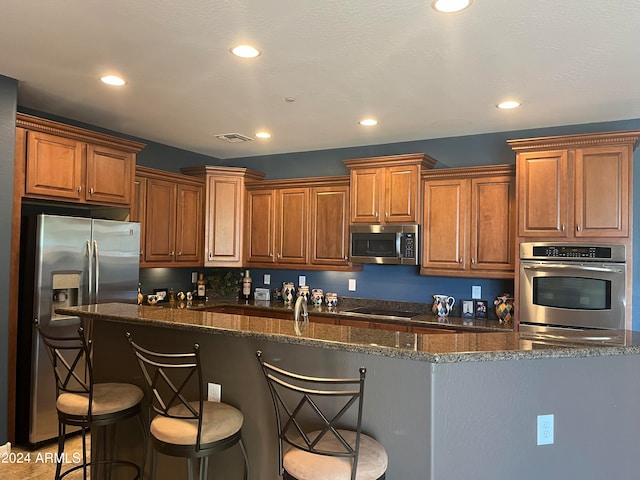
{"x": 8, "y": 101}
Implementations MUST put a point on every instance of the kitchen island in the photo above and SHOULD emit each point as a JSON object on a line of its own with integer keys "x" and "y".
{"x": 461, "y": 405}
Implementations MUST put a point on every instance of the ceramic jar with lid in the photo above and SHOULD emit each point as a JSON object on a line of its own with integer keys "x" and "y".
{"x": 504, "y": 307}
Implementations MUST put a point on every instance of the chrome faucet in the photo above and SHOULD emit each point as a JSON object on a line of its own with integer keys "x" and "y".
{"x": 301, "y": 303}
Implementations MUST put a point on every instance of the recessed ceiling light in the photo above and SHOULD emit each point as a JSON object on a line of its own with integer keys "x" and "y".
{"x": 450, "y": 6}
{"x": 245, "y": 51}
{"x": 263, "y": 135}
{"x": 368, "y": 122}
{"x": 508, "y": 105}
{"x": 113, "y": 80}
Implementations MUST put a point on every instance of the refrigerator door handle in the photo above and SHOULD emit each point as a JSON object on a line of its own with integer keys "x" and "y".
{"x": 97, "y": 255}
{"x": 89, "y": 273}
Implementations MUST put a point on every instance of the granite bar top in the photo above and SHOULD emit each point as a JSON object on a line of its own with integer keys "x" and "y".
{"x": 436, "y": 348}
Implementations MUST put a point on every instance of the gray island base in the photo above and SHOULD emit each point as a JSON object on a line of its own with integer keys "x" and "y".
{"x": 445, "y": 406}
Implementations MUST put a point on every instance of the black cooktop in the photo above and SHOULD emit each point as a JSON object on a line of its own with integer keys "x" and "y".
{"x": 381, "y": 312}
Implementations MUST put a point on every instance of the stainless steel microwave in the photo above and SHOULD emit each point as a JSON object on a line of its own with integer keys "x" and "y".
{"x": 385, "y": 244}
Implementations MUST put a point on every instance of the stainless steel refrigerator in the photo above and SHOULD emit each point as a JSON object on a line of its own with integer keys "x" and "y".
{"x": 65, "y": 261}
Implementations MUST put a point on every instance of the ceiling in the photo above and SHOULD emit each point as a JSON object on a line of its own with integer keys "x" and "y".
{"x": 421, "y": 73}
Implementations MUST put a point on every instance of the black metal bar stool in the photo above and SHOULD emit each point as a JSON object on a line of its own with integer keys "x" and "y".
{"x": 329, "y": 450}
{"x": 82, "y": 402}
{"x": 194, "y": 429}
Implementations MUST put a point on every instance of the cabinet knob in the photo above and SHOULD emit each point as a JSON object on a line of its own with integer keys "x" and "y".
{"x": 473, "y": 260}
{"x": 91, "y": 190}
{"x": 179, "y": 253}
{"x": 460, "y": 261}
{"x": 80, "y": 189}
{"x": 386, "y": 214}
{"x": 564, "y": 227}
{"x": 279, "y": 256}
{"x": 172, "y": 254}
{"x": 377, "y": 216}
{"x": 579, "y": 228}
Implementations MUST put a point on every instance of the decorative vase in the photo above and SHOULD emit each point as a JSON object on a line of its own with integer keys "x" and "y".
{"x": 504, "y": 307}
{"x": 287, "y": 292}
{"x": 442, "y": 305}
{"x": 316, "y": 296}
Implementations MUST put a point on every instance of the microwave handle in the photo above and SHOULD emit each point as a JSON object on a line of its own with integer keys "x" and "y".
{"x": 398, "y": 245}
{"x": 587, "y": 268}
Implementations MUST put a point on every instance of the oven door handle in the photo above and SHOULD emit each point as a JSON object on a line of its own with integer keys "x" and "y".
{"x": 581, "y": 268}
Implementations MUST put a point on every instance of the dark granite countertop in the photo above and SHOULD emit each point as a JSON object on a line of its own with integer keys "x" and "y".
{"x": 423, "y": 317}
{"x": 436, "y": 348}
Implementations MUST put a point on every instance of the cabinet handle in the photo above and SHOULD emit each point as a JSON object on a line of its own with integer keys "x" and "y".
{"x": 80, "y": 189}
{"x": 386, "y": 215}
{"x": 579, "y": 228}
{"x": 279, "y": 256}
{"x": 563, "y": 227}
{"x": 460, "y": 261}
{"x": 179, "y": 254}
{"x": 91, "y": 190}
{"x": 473, "y": 260}
{"x": 172, "y": 254}
{"x": 377, "y": 216}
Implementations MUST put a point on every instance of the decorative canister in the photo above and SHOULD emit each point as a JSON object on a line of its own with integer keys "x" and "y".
{"x": 287, "y": 292}
{"x": 331, "y": 299}
{"x": 442, "y": 305}
{"x": 303, "y": 291}
{"x": 504, "y": 307}
{"x": 316, "y": 296}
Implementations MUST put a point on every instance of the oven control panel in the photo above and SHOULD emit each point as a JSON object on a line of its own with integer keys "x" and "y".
{"x": 550, "y": 251}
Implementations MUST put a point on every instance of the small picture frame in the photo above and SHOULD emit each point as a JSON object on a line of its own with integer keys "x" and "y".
{"x": 480, "y": 308}
{"x": 467, "y": 309}
{"x": 162, "y": 293}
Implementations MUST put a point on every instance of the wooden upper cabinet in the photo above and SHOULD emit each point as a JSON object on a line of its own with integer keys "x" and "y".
{"x": 260, "y": 226}
{"x": 387, "y": 189}
{"x": 469, "y": 222}
{"x": 330, "y": 225}
{"x": 575, "y": 186}
{"x": 292, "y": 226}
{"x": 298, "y": 222}
{"x": 170, "y": 211}
{"x": 76, "y": 165}
{"x": 224, "y": 212}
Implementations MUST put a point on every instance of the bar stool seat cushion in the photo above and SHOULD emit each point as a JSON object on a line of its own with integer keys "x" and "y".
{"x": 108, "y": 398}
{"x": 372, "y": 459}
{"x": 219, "y": 421}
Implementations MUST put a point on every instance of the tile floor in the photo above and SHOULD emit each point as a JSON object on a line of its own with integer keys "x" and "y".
{"x": 23, "y": 464}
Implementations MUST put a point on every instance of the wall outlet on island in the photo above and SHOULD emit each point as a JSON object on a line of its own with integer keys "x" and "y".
{"x": 214, "y": 392}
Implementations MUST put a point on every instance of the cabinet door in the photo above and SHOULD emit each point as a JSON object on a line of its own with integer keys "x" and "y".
{"x": 366, "y": 190}
{"x": 109, "y": 175}
{"x": 292, "y": 217}
{"x": 224, "y": 222}
{"x": 139, "y": 209}
{"x": 445, "y": 223}
{"x": 543, "y": 192}
{"x": 493, "y": 223}
{"x": 401, "y": 194}
{"x": 260, "y": 226}
{"x": 54, "y": 166}
{"x": 330, "y": 226}
{"x": 602, "y": 192}
{"x": 189, "y": 221}
{"x": 160, "y": 227}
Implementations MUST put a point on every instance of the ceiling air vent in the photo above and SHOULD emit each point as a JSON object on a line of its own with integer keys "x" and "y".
{"x": 233, "y": 137}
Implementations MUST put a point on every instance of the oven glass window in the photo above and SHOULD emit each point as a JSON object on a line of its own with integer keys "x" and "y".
{"x": 373, "y": 245}
{"x": 577, "y": 293}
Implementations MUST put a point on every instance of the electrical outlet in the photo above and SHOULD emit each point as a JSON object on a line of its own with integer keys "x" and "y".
{"x": 302, "y": 280}
{"x": 545, "y": 429}
{"x": 214, "y": 392}
{"x": 266, "y": 279}
{"x": 476, "y": 292}
{"x": 194, "y": 277}
{"x": 352, "y": 284}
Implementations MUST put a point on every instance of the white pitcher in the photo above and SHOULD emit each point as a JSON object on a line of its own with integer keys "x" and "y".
{"x": 442, "y": 305}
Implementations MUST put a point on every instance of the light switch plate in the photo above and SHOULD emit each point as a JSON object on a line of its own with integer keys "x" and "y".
{"x": 302, "y": 280}
{"x": 266, "y": 279}
{"x": 352, "y": 284}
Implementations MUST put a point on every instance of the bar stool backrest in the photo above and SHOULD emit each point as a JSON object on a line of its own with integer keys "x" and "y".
{"x": 70, "y": 356}
{"x": 170, "y": 379}
{"x": 297, "y": 397}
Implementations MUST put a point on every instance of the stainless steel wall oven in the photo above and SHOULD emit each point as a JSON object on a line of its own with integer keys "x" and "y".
{"x": 575, "y": 286}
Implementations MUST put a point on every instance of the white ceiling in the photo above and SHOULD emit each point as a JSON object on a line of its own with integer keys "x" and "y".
{"x": 423, "y": 74}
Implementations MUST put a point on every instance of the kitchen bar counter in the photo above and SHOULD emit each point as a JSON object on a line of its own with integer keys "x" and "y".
{"x": 445, "y": 406}
{"x": 442, "y": 348}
